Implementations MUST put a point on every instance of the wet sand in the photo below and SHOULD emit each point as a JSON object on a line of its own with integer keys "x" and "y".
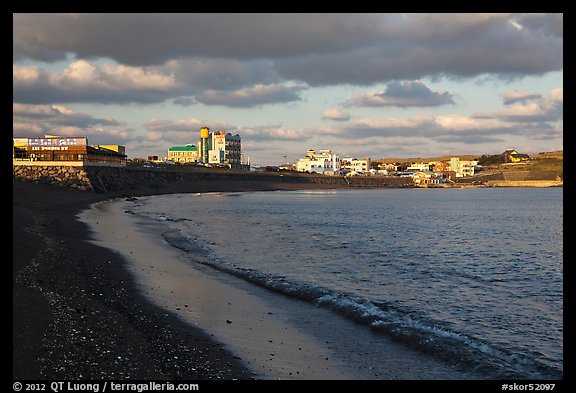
{"x": 83, "y": 311}
{"x": 275, "y": 336}
{"x": 76, "y": 313}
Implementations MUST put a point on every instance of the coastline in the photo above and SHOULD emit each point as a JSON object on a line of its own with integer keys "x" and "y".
{"x": 278, "y": 337}
{"x": 77, "y": 318}
{"x": 210, "y": 300}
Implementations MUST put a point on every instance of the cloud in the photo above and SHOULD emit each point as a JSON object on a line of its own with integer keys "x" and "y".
{"x": 57, "y": 119}
{"x": 549, "y": 24}
{"x": 188, "y": 130}
{"x": 529, "y": 108}
{"x": 251, "y": 96}
{"x": 201, "y": 73}
{"x": 556, "y": 95}
{"x": 184, "y": 101}
{"x": 184, "y": 130}
{"x": 273, "y": 132}
{"x": 151, "y": 39}
{"x": 224, "y": 82}
{"x": 82, "y": 81}
{"x": 515, "y": 95}
{"x": 434, "y": 45}
{"x": 534, "y": 120}
{"x": 403, "y": 94}
{"x": 335, "y": 114}
{"x": 57, "y": 115}
{"x": 189, "y": 125}
{"x": 316, "y": 49}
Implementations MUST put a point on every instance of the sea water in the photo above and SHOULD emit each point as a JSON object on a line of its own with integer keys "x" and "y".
{"x": 471, "y": 276}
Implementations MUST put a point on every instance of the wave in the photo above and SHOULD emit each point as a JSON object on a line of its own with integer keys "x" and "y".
{"x": 407, "y": 327}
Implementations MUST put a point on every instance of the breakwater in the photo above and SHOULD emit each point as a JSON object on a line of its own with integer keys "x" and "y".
{"x": 129, "y": 180}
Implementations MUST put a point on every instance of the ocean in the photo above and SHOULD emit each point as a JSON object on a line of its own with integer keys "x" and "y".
{"x": 473, "y": 277}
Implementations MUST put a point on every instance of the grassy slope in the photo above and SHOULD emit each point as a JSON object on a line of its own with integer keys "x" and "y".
{"x": 544, "y": 166}
{"x": 430, "y": 159}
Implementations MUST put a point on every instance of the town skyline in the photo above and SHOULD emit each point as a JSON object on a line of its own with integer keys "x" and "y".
{"x": 374, "y": 85}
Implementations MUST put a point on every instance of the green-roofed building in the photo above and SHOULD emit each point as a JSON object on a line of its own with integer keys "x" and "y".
{"x": 183, "y": 154}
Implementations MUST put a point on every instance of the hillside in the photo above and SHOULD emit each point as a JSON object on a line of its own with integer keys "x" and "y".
{"x": 547, "y": 161}
{"x": 541, "y": 166}
{"x": 544, "y": 166}
{"x": 429, "y": 159}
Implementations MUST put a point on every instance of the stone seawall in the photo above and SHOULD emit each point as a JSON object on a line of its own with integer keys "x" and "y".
{"x": 66, "y": 176}
{"x": 123, "y": 180}
{"x": 525, "y": 183}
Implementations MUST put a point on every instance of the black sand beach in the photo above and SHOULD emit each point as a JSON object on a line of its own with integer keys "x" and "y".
{"x": 76, "y": 314}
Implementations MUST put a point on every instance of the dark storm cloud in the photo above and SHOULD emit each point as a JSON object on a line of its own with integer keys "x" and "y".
{"x": 146, "y": 39}
{"x": 318, "y": 49}
{"x": 551, "y": 24}
{"x": 199, "y": 74}
{"x": 511, "y": 58}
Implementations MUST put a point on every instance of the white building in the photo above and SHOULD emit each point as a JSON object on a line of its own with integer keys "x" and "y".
{"x": 419, "y": 166}
{"x": 323, "y": 162}
{"x": 462, "y": 167}
{"x": 225, "y": 148}
{"x": 355, "y": 165}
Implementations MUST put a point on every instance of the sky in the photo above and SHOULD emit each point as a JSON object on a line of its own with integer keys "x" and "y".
{"x": 361, "y": 85}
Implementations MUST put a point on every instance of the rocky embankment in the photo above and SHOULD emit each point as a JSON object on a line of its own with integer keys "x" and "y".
{"x": 516, "y": 178}
{"x": 127, "y": 180}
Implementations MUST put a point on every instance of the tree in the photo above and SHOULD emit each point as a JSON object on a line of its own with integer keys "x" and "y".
{"x": 493, "y": 159}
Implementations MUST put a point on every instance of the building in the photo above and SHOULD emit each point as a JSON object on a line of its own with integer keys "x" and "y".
{"x": 513, "y": 156}
{"x": 419, "y": 166}
{"x": 323, "y": 162}
{"x": 218, "y": 148}
{"x": 389, "y": 167}
{"x": 204, "y": 144}
{"x": 462, "y": 167}
{"x": 424, "y": 178}
{"x": 350, "y": 164}
{"x": 183, "y": 154}
{"x": 441, "y": 166}
{"x": 448, "y": 175}
{"x": 54, "y": 150}
{"x": 225, "y": 148}
{"x": 117, "y": 148}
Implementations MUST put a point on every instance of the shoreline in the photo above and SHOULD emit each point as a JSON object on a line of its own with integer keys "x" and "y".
{"x": 77, "y": 318}
{"x": 278, "y": 337}
{"x": 210, "y": 300}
